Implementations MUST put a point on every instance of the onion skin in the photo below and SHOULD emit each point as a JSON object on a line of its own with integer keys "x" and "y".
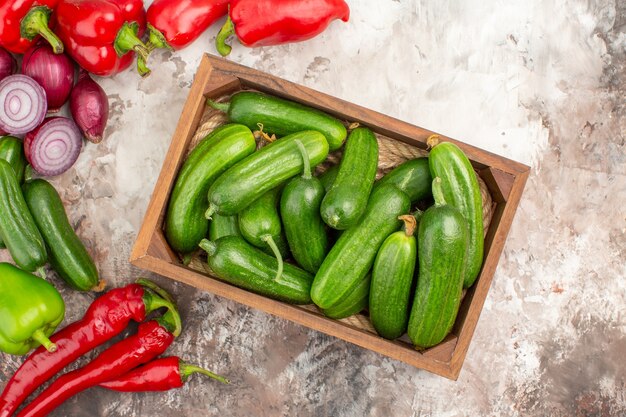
{"x": 8, "y": 64}
{"x": 54, "y": 72}
{"x": 89, "y": 105}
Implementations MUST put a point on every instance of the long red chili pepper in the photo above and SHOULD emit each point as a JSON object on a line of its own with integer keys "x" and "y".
{"x": 152, "y": 338}
{"x": 271, "y": 22}
{"x": 105, "y": 318}
{"x": 22, "y": 21}
{"x": 161, "y": 374}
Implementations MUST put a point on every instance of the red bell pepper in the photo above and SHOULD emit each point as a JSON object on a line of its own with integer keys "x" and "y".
{"x": 21, "y": 21}
{"x": 102, "y": 34}
{"x": 271, "y": 22}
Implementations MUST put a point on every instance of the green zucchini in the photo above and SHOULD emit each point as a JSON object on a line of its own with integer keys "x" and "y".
{"x": 304, "y": 228}
{"x": 17, "y": 227}
{"x": 443, "y": 240}
{"x": 461, "y": 190}
{"x": 12, "y": 151}
{"x": 352, "y": 303}
{"x": 265, "y": 169}
{"x": 327, "y": 178}
{"x": 221, "y": 226}
{"x": 185, "y": 224}
{"x": 235, "y": 261}
{"x": 353, "y": 254}
{"x": 345, "y": 202}
{"x": 67, "y": 254}
{"x": 281, "y": 117}
{"x": 392, "y": 278}
{"x": 412, "y": 177}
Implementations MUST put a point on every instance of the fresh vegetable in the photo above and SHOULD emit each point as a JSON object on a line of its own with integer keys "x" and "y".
{"x": 8, "y": 64}
{"x": 263, "y": 170}
{"x": 54, "y": 72}
{"x": 355, "y": 301}
{"x": 235, "y": 261}
{"x": 152, "y": 338}
{"x": 161, "y": 374}
{"x": 12, "y": 151}
{"x": 344, "y": 204}
{"x": 22, "y": 21}
{"x": 106, "y": 317}
{"x": 270, "y": 22}
{"x": 327, "y": 178}
{"x": 67, "y": 254}
{"x": 412, "y": 177}
{"x": 89, "y": 105}
{"x": 30, "y": 311}
{"x": 54, "y": 146}
{"x": 443, "y": 239}
{"x": 461, "y": 190}
{"x": 300, "y": 211}
{"x": 17, "y": 227}
{"x": 101, "y": 35}
{"x": 392, "y": 278}
{"x": 353, "y": 254}
{"x": 185, "y": 223}
{"x": 281, "y": 117}
{"x": 221, "y": 226}
{"x": 22, "y": 104}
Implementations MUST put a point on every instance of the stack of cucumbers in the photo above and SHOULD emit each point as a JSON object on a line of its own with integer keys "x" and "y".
{"x": 34, "y": 227}
{"x": 341, "y": 240}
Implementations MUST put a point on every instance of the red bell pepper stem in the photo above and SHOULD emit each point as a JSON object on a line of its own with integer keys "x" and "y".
{"x": 152, "y": 338}
{"x": 222, "y": 36}
{"x": 36, "y": 23}
{"x": 105, "y": 318}
{"x": 127, "y": 40}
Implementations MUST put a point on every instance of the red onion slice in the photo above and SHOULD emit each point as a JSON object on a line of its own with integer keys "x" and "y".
{"x": 54, "y": 146}
{"x": 23, "y": 104}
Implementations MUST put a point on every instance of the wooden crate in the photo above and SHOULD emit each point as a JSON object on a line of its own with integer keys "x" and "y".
{"x": 216, "y": 77}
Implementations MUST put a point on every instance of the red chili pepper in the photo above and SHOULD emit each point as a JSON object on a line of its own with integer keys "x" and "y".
{"x": 152, "y": 338}
{"x": 21, "y": 21}
{"x": 271, "y": 22}
{"x": 102, "y": 34}
{"x": 158, "y": 375}
{"x": 105, "y": 318}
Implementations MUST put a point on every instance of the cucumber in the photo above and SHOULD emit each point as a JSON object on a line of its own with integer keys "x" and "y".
{"x": 222, "y": 226}
{"x": 353, "y": 254}
{"x": 267, "y": 168}
{"x": 235, "y": 261}
{"x": 354, "y": 302}
{"x": 12, "y": 151}
{"x": 304, "y": 228}
{"x": 281, "y": 117}
{"x": 345, "y": 202}
{"x": 185, "y": 224}
{"x": 17, "y": 227}
{"x": 327, "y": 178}
{"x": 412, "y": 177}
{"x": 392, "y": 278}
{"x": 443, "y": 241}
{"x": 461, "y": 190}
{"x": 67, "y": 254}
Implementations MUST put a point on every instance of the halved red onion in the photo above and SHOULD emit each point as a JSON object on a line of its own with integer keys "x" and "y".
{"x": 8, "y": 65}
{"x": 89, "y": 105}
{"x": 54, "y": 146}
{"x": 22, "y": 104}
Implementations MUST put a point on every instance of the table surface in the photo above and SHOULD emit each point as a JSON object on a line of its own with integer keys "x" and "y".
{"x": 540, "y": 82}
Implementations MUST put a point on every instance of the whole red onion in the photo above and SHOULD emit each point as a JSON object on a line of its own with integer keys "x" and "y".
{"x": 8, "y": 65}
{"x": 54, "y": 72}
{"x": 90, "y": 107}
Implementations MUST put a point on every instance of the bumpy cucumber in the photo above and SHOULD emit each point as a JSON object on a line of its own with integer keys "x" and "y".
{"x": 281, "y": 117}
{"x": 234, "y": 260}
{"x": 354, "y": 302}
{"x": 412, "y": 177}
{"x": 17, "y": 227}
{"x": 221, "y": 226}
{"x": 443, "y": 240}
{"x": 353, "y": 254}
{"x": 12, "y": 151}
{"x": 300, "y": 210}
{"x": 461, "y": 190}
{"x": 67, "y": 254}
{"x": 392, "y": 278}
{"x": 327, "y": 178}
{"x": 267, "y": 168}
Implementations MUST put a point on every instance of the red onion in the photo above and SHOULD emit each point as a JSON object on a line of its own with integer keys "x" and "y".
{"x": 8, "y": 65}
{"x": 54, "y": 146}
{"x": 22, "y": 104}
{"x": 54, "y": 72}
{"x": 90, "y": 107}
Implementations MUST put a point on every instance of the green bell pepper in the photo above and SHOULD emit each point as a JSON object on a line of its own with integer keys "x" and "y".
{"x": 30, "y": 311}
